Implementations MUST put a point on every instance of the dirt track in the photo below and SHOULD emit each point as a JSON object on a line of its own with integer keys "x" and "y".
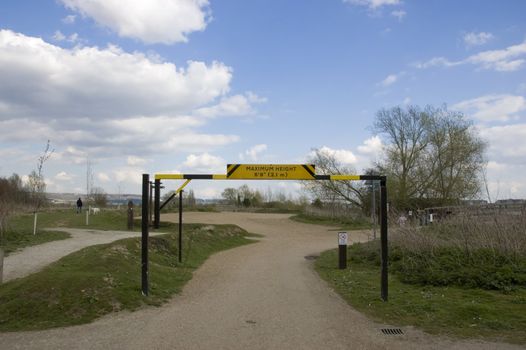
{"x": 34, "y": 258}
{"x": 261, "y": 296}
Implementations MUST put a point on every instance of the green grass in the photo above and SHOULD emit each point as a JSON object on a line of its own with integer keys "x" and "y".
{"x": 107, "y": 219}
{"x": 106, "y": 278}
{"x": 452, "y": 311}
{"x": 342, "y": 224}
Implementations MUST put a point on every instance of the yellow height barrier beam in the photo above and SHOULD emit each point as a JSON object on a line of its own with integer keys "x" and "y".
{"x": 226, "y": 177}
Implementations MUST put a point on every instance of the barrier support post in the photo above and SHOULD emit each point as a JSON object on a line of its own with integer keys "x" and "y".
{"x": 383, "y": 239}
{"x": 157, "y": 204}
{"x": 144, "y": 237}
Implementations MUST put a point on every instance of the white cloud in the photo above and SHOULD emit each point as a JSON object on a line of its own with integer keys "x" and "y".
{"x": 69, "y": 19}
{"x": 507, "y": 143}
{"x": 500, "y": 60}
{"x": 103, "y": 177}
{"x": 372, "y": 146}
{"x": 58, "y": 36}
{"x": 400, "y": 14}
{"x": 390, "y": 79}
{"x": 493, "y": 107}
{"x": 110, "y": 102}
{"x": 63, "y": 176}
{"x": 505, "y": 60}
{"x": 406, "y": 101}
{"x": 232, "y": 106}
{"x": 343, "y": 156}
{"x": 129, "y": 175}
{"x": 373, "y": 4}
{"x": 133, "y": 161}
{"x": 253, "y": 152}
{"x": 205, "y": 162}
{"x": 100, "y": 83}
{"x": 437, "y": 61}
{"x": 477, "y": 39}
{"x": 152, "y": 21}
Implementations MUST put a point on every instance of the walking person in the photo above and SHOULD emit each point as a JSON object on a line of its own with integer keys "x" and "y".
{"x": 79, "y": 205}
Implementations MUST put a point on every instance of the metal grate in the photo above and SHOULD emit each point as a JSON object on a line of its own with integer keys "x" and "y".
{"x": 311, "y": 257}
{"x": 392, "y": 331}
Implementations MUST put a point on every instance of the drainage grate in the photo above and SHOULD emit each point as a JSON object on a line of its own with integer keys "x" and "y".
{"x": 392, "y": 331}
{"x": 311, "y": 257}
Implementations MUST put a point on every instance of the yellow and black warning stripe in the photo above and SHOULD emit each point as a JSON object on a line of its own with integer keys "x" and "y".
{"x": 231, "y": 168}
{"x": 226, "y": 177}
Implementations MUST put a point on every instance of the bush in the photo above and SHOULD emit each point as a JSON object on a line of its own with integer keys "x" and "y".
{"x": 461, "y": 252}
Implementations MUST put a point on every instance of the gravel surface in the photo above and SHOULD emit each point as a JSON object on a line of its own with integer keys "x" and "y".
{"x": 34, "y": 258}
{"x": 261, "y": 296}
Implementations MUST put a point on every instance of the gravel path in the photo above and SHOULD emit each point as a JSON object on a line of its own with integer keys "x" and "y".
{"x": 260, "y": 296}
{"x": 34, "y": 258}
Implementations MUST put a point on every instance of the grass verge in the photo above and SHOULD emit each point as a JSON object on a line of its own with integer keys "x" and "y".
{"x": 19, "y": 232}
{"x": 106, "y": 278}
{"x": 107, "y": 219}
{"x": 342, "y": 224}
{"x": 444, "y": 310}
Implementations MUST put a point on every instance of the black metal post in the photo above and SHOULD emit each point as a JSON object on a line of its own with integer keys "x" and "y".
{"x": 150, "y": 203}
{"x": 383, "y": 238}
{"x": 342, "y": 253}
{"x": 144, "y": 238}
{"x": 181, "y": 226}
{"x": 157, "y": 203}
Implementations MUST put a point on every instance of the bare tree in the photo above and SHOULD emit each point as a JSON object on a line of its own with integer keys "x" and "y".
{"x": 333, "y": 191}
{"x": 99, "y": 197}
{"x": 37, "y": 184}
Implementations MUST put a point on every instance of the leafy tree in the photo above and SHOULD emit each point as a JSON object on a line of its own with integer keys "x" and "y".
{"x": 433, "y": 156}
{"x": 230, "y": 195}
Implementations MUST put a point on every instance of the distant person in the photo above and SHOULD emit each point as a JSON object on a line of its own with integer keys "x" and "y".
{"x": 79, "y": 205}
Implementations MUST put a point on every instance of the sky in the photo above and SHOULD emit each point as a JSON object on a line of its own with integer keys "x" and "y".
{"x": 188, "y": 86}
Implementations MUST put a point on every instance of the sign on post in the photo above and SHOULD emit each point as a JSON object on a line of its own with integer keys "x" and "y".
{"x": 342, "y": 238}
{"x": 271, "y": 171}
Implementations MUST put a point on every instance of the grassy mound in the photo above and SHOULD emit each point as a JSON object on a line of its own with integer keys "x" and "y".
{"x": 106, "y": 278}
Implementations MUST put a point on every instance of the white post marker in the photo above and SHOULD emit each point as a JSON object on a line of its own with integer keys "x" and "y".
{"x": 342, "y": 238}
{"x": 87, "y": 217}
{"x": 342, "y": 250}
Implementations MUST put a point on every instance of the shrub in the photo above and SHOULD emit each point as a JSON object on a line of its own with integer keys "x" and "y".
{"x": 469, "y": 252}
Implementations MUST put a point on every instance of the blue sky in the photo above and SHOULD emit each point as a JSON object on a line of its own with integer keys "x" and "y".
{"x": 190, "y": 85}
